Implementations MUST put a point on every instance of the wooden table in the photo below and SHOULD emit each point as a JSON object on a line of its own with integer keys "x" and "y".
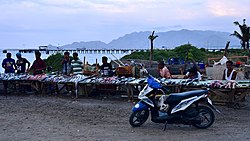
{"x": 230, "y": 97}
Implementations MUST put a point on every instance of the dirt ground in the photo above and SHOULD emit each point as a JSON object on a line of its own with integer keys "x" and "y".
{"x": 52, "y": 118}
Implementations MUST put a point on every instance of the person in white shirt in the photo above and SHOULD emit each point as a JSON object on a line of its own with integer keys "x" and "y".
{"x": 229, "y": 72}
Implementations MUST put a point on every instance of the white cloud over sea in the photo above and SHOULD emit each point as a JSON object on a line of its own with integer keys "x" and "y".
{"x": 30, "y": 23}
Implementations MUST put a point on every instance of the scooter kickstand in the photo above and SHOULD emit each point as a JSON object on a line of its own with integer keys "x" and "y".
{"x": 165, "y": 126}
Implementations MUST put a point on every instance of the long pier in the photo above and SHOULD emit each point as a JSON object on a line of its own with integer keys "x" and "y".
{"x": 90, "y": 51}
{"x": 99, "y": 51}
{"x": 80, "y": 51}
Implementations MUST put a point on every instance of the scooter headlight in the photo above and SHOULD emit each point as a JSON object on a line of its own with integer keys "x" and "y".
{"x": 137, "y": 105}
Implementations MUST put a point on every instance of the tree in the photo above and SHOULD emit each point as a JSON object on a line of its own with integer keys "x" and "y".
{"x": 151, "y": 38}
{"x": 188, "y": 51}
{"x": 54, "y": 61}
{"x": 244, "y": 36}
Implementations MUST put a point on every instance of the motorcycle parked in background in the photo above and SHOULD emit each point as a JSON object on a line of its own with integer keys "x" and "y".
{"x": 189, "y": 108}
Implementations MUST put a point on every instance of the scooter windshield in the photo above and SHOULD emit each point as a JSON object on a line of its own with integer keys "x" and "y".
{"x": 153, "y": 83}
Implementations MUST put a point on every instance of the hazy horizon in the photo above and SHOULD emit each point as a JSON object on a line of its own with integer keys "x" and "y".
{"x": 33, "y": 23}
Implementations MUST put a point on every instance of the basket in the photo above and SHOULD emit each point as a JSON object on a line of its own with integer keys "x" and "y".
{"x": 124, "y": 71}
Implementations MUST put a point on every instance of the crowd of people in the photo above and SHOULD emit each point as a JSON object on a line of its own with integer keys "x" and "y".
{"x": 75, "y": 66}
{"x": 229, "y": 73}
{"x": 22, "y": 65}
{"x": 70, "y": 66}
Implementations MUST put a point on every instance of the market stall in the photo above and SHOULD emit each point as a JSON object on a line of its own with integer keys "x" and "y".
{"x": 232, "y": 92}
{"x": 42, "y": 83}
{"x": 103, "y": 85}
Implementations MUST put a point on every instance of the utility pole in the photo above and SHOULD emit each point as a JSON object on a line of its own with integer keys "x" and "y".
{"x": 151, "y": 38}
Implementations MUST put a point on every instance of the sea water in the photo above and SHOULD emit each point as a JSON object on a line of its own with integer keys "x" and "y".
{"x": 90, "y": 58}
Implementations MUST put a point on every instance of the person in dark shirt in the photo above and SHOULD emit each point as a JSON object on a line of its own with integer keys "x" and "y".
{"x": 106, "y": 68}
{"x": 193, "y": 73}
{"x": 66, "y": 62}
{"x": 9, "y": 64}
{"x": 21, "y": 63}
{"x": 38, "y": 65}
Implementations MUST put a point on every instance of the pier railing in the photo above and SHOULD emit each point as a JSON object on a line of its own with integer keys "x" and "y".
{"x": 82, "y": 51}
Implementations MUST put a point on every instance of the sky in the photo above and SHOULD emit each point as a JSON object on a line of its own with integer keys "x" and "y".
{"x": 34, "y": 23}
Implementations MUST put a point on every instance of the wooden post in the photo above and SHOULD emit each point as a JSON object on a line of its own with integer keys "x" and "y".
{"x": 151, "y": 38}
{"x": 84, "y": 64}
{"x": 96, "y": 67}
{"x": 151, "y": 52}
{"x": 226, "y": 48}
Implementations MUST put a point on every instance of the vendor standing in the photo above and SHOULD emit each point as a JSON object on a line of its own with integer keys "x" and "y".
{"x": 38, "y": 65}
{"x": 21, "y": 63}
{"x": 229, "y": 72}
{"x": 66, "y": 62}
{"x": 76, "y": 65}
{"x": 9, "y": 64}
{"x": 106, "y": 68}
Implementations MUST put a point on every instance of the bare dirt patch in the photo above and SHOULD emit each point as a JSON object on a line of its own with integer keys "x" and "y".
{"x": 63, "y": 119}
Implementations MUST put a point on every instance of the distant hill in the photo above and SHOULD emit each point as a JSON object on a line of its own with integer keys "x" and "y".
{"x": 169, "y": 39}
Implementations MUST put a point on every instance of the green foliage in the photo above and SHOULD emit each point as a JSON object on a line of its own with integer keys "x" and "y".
{"x": 184, "y": 52}
{"x": 163, "y": 54}
{"x": 188, "y": 51}
{"x": 138, "y": 55}
{"x": 181, "y": 52}
{"x": 54, "y": 61}
{"x": 244, "y": 34}
{"x": 157, "y": 55}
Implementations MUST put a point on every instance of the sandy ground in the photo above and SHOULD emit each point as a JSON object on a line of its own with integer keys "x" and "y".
{"x": 51, "y": 118}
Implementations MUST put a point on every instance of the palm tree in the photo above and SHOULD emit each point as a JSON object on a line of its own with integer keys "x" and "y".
{"x": 151, "y": 38}
{"x": 245, "y": 34}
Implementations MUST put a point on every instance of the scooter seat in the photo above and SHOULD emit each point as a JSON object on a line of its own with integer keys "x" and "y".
{"x": 180, "y": 96}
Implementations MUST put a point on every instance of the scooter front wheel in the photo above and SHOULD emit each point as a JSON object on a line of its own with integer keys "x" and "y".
{"x": 139, "y": 117}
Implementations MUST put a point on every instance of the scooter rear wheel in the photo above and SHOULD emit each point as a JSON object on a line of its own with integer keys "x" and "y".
{"x": 139, "y": 117}
{"x": 205, "y": 118}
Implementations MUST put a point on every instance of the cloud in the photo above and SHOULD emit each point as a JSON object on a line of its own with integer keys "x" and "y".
{"x": 108, "y": 19}
{"x": 229, "y": 8}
